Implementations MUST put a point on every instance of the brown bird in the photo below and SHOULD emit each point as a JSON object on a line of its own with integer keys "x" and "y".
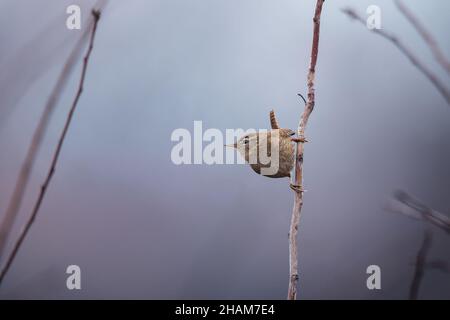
{"x": 258, "y": 148}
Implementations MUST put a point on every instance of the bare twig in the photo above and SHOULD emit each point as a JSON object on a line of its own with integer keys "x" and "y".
{"x": 440, "y": 265}
{"x": 96, "y": 15}
{"x": 421, "y": 261}
{"x": 437, "y": 264}
{"x": 407, "y": 52}
{"x": 426, "y": 36}
{"x": 298, "y": 178}
{"x": 414, "y": 208}
{"x": 25, "y": 171}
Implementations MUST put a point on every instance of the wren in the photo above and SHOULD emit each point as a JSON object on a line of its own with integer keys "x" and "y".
{"x": 273, "y": 149}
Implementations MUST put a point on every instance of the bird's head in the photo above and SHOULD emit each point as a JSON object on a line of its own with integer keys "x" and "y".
{"x": 250, "y": 144}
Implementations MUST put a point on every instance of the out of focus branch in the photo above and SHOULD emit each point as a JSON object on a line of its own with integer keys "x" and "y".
{"x": 426, "y": 36}
{"x": 37, "y": 205}
{"x": 414, "y": 208}
{"x": 15, "y": 202}
{"x": 407, "y": 52}
{"x": 420, "y": 265}
{"x": 437, "y": 264}
{"x": 440, "y": 265}
{"x": 298, "y": 179}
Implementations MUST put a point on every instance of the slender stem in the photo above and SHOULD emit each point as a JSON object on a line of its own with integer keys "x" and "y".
{"x": 25, "y": 171}
{"x": 298, "y": 178}
{"x": 44, "y": 187}
{"x": 426, "y": 36}
{"x": 420, "y": 265}
{"x": 407, "y": 52}
{"x": 418, "y": 209}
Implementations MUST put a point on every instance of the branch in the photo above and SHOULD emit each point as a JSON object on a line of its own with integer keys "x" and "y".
{"x": 298, "y": 179}
{"x": 37, "y": 205}
{"x": 420, "y": 265}
{"x": 414, "y": 208}
{"x": 39, "y": 133}
{"x": 426, "y": 36}
{"x": 440, "y": 265}
{"x": 408, "y": 53}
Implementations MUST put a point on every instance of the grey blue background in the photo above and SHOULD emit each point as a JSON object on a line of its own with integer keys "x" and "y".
{"x": 141, "y": 227}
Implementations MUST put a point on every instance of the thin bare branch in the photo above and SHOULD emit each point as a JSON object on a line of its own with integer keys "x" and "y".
{"x": 421, "y": 261}
{"x": 407, "y": 52}
{"x": 437, "y": 264}
{"x": 298, "y": 177}
{"x": 426, "y": 36}
{"x": 440, "y": 265}
{"x": 407, "y": 205}
{"x": 27, "y": 166}
{"x": 414, "y": 208}
{"x": 44, "y": 187}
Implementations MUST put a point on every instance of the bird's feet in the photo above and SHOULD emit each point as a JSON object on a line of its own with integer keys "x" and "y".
{"x": 301, "y": 139}
{"x": 296, "y": 188}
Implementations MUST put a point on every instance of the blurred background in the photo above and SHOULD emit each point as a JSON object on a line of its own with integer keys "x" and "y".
{"x": 141, "y": 227}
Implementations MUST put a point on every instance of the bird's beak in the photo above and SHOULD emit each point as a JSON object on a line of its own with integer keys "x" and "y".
{"x": 232, "y": 145}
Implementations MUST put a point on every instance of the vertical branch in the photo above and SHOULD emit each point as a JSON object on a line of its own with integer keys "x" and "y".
{"x": 420, "y": 265}
{"x": 298, "y": 179}
{"x": 37, "y": 205}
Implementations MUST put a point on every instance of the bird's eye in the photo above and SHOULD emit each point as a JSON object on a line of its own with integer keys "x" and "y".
{"x": 291, "y": 133}
{"x": 246, "y": 140}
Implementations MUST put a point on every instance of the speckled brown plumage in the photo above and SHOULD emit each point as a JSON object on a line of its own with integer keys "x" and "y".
{"x": 249, "y": 147}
